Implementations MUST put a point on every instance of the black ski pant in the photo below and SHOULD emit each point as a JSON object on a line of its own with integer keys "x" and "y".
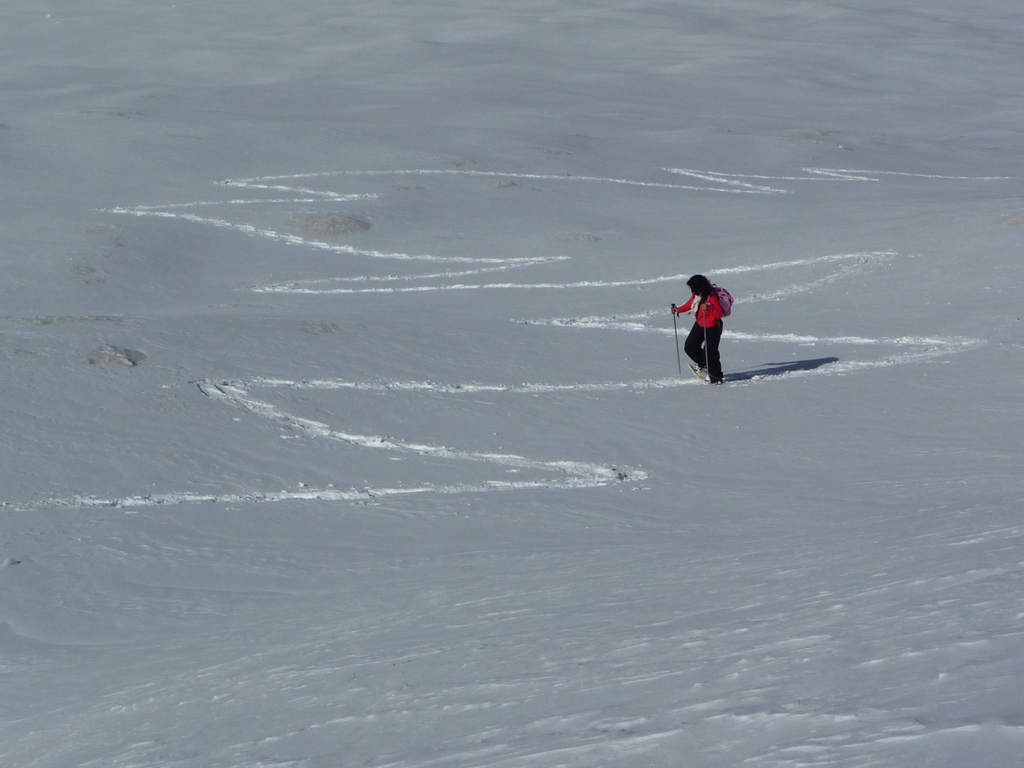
{"x": 702, "y": 347}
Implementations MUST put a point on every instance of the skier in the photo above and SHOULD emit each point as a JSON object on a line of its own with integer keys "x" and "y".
{"x": 706, "y": 332}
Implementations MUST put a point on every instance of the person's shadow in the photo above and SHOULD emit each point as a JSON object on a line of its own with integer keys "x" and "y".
{"x": 777, "y": 369}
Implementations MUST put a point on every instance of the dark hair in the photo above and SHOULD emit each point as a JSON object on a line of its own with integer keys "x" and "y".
{"x": 700, "y": 286}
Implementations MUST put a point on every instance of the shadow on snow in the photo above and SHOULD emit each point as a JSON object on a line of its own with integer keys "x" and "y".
{"x": 777, "y": 369}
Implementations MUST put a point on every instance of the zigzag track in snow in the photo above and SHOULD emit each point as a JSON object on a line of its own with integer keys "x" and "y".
{"x": 294, "y": 189}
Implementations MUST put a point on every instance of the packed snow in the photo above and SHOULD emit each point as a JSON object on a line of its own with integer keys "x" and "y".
{"x": 343, "y": 422}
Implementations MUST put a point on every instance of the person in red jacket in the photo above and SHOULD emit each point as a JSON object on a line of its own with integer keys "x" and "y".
{"x": 702, "y": 344}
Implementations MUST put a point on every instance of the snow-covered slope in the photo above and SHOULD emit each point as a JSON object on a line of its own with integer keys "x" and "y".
{"x": 342, "y": 422}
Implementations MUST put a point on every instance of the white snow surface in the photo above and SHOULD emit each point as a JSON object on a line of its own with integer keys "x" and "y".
{"x": 342, "y": 423}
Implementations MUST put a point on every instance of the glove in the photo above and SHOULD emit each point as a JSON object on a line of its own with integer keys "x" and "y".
{"x": 675, "y": 310}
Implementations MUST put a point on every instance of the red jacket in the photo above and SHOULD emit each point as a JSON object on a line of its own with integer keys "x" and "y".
{"x": 709, "y": 311}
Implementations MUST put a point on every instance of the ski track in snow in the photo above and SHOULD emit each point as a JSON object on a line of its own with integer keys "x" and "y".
{"x": 568, "y": 474}
{"x": 258, "y": 182}
{"x": 858, "y": 262}
{"x": 815, "y": 174}
{"x": 909, "y": 349}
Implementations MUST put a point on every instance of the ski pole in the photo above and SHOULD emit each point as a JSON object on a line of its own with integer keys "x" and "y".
{"x": 675, "y": 331}
{"x": 707, "y": 363}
